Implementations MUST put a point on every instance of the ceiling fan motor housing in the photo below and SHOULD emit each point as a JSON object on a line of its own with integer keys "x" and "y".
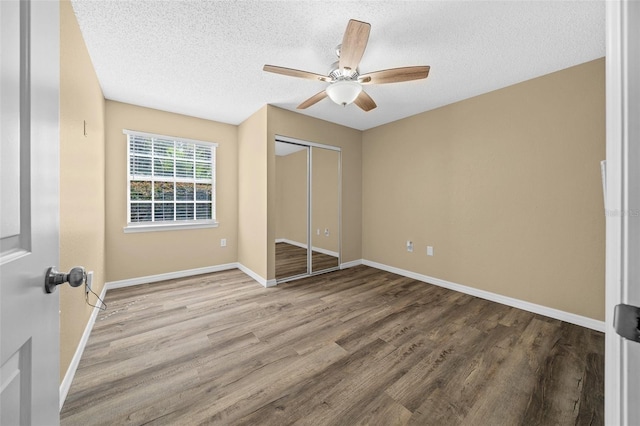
{"x": 337, "y": 74}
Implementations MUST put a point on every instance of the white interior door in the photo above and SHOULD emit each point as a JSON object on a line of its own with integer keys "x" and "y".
{"x": 622, "y": 360}
{"x": 29, "y": 317}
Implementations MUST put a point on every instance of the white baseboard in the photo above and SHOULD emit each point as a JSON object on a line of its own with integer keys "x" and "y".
{"x": 169, "y": 276}
{"x": 262, "y": 281}
{"x": 304, "y": 246}
{"x": 75, "y": 361}
{"x": 293, "y": 243}
{"x": 188, "y": 273}
{"x": 325, "y": 251}
{"x": 494, "y": 297}
{"x": 351, "y": 264}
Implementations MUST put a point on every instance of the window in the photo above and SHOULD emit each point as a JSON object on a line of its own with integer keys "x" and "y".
{"x": 170, "y": 182}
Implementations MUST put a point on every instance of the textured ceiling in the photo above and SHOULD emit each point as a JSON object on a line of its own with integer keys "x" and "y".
{"x": 205, "y": 58}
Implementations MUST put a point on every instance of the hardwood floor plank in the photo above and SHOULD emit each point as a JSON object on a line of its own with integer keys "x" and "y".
{"x": 381, "y": 373}
{"x": 519, "y": 358}
{"x": 310, "y": 394}
{"x": 591, "y": 412}
{"x": 561, "y": 380}
{"x": 443, "y": 362}
{"x": 273, "y": 382}
{"x": 383, "y": 411}
{"x": 356, "y": 346}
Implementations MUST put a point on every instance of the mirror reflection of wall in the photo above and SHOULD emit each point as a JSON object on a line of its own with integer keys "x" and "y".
{"x": 307, "y": 209}
{"x": 291, "y": 210}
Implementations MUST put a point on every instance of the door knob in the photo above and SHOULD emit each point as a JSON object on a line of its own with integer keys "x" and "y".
{"x": 75, "y": 278}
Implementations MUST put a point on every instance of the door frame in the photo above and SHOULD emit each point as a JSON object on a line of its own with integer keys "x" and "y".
{"x": 622, "y": 180}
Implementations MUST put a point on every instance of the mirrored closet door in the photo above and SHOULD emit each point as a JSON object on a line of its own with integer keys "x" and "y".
{"x": 325, "y": 213}
{"x": 307, "y": 209}
{"x": 292, "y": 186}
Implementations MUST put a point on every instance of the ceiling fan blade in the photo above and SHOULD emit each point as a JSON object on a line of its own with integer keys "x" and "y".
{"x": 312, "y": 100}
{"x": 395, "y": 75}
{"x": 354, "y": 42}
{"x": 295, "y": 73}
{"x": 365, "y": 102}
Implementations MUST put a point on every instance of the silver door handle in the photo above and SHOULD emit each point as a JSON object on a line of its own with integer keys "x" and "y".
{"x": 75, "y": 278}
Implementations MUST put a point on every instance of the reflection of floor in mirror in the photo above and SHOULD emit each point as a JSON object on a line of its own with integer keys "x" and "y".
{"x": 292, "y": 260}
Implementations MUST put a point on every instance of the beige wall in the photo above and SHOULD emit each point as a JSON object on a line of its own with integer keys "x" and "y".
{"x": 506, "y": 188}
{"x": 82, "y": 181}
{"x": 150, "y": 253}
{"x": 291, "y": 196}
{"x": 252, "y": 193}
{"x": 286, "y": 123}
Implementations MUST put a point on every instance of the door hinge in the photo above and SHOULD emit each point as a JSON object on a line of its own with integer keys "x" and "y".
{"x": 626, "y": 321}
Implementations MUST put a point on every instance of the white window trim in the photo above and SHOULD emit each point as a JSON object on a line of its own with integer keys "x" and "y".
{"x": 134, "y": 227}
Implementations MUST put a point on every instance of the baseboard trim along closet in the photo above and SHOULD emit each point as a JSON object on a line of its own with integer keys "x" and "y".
{"x": 509, "y": 301}
{"x": 263, "y": 282}
{"x": 351, "y": 264}
{"x": 75, "y": 361}
{"x": 304, "y": 246}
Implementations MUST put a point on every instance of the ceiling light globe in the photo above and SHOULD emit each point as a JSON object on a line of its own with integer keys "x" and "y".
{"x": 344, "y": 92}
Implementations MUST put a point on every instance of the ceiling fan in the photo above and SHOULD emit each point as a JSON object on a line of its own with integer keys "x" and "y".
{"x": 344, "y": 78}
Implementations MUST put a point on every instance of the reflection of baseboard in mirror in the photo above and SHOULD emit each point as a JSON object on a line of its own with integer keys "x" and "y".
{"x": 307, "y": 198}
{"x": 304, "y": 246}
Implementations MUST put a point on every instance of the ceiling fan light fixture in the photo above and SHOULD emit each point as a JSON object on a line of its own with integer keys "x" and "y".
{"x": 345, "y": 81}
{"x": 344, "y": 92}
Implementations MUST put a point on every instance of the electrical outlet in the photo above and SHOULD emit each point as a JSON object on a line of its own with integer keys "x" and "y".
{"x": 409, "y": 246}
{"x": 326, "y": 232}
{"x": 89, "y": 282}
{"x": 429, "y": 251}
{"x": 223, "y": 242}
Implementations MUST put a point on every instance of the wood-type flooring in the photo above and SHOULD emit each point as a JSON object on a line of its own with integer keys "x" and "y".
{"x": 292, "y": 260}
{"x": 353, "y": 347}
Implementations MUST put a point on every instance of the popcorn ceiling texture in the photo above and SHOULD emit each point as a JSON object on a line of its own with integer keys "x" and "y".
{"x": 205, "y": 58}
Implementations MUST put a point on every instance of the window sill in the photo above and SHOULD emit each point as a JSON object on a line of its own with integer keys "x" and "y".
{"x": 169, "y": 227}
